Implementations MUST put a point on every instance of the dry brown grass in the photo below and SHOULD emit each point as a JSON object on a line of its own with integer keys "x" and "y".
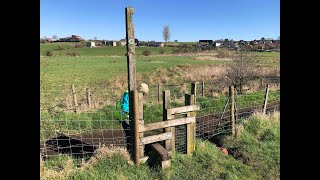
{"x": 100, "y": 154}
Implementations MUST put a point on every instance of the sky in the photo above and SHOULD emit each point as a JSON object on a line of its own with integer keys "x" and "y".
{"x": 188, "y": 20}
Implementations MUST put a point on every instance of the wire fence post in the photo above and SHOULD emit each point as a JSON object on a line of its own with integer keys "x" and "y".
{"x": 133, "y": 95}
{"x": 190, "y": 100}
{"x": 141, "y": 122}
{"x": 231, "y": 95}
{"x": 266, "y": 99}
{"x": 88, "y": 97}
{"x": 168, "y": 144}
{"x": 75, "y": 101}
{"x": 202, "y": 89}
{"x": 194, "y": 90}
{"x": 158, "y": 93}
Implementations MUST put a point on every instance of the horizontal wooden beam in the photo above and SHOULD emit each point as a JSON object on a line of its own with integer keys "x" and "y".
{"x": 160, "y": 150}
{"x": 155, "y": 138}
{"x": 183, "y": 109}
{"x": 165, "y": 124}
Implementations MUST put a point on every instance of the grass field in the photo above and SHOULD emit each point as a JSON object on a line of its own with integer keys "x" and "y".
{"x": 255, "y": 154}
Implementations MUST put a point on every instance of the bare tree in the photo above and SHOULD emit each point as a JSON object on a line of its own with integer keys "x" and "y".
{"x": 278, "y": 37}
{"x": 95, "y": 38}
{"x": 241, "y": 71}
{"x": 44, "y": 37}
{"x": 166, "y": 33}
{"x": 54, "y": 37}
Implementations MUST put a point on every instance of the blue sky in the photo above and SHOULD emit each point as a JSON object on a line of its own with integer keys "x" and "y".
{"x": 189, "y": 20}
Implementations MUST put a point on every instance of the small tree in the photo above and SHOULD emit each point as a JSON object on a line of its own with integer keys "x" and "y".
{"x": 166, "y": 33}
{"x": 55, "y": 37}
{"x": 240, "y": 71}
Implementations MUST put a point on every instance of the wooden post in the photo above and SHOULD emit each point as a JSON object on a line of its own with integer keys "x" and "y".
{"x": 89, "y": 97}
{"x": 131, "y": 60}
{"x": 133, "y": 96}
{"x": 141, "y": 122}
{"x": 266, "y": 99}
{"x": 194, "y": 90}
{"x": 231, "y": 96}
{"x": 168, "y": 144}
{"x": 158, "y": 92}
{"x": 75, "y": 102}
{"x": 191, "y": 131}
{"x": 134, "y": 126}
{"x": 202, "y": 89}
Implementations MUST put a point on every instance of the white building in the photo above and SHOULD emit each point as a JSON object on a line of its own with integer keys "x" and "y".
{"x": 91, "y": 44}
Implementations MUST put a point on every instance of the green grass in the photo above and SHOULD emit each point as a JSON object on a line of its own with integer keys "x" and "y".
{"x": 255, "y": 155}
{"x": 259, "y": 145}
{"x": 93, "y": 70}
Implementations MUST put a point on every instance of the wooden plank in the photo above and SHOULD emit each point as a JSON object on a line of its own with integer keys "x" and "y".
{"x": 156, "y": 138}
{"x": 165, "y": 106}
{"x": 160, "y": 150}
{"x": 183, "y": 109}
{"x": 165, "y": 124}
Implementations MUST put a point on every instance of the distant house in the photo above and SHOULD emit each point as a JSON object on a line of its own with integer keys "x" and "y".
{"x": 242, "y": 42}
{"x": 156, "y": 44}
{"x": 91, "y": 44}
{"x": 72, "y": 38}
{"x": 206, "y": 41}
{"x": 217, "y": 43}
{"x": 123, "y": 42}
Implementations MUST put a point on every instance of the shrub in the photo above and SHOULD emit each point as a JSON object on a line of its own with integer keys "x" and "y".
{"x": 146, "y": 53}
{"x": 175, "y": 50}
{"x": 224, "y": 53}
{"x": 79, "y": 46}
{"x": 72, "y": 54}
{"x": 48, "y": 53}
{"x": 60, "y": 48}
{"x": 161, "y": 51}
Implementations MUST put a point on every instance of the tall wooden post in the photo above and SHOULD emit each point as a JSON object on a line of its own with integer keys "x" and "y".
{"x": 75, "y": 101}
{"x": 168, "y": 144}
{"x": 231, "y": 96}
{"x": 88, "y": 97}
{"x": 266, "y": 99}
{"x": 133, "y": 96}
{"x": 202, "y": 89}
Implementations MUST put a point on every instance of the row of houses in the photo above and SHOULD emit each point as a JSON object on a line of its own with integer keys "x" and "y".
{"x": 236, "y": 45}
{"x": 94, "y": 43}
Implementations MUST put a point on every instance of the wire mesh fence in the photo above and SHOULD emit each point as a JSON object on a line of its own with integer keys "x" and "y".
{"x": 75, "y": 122}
